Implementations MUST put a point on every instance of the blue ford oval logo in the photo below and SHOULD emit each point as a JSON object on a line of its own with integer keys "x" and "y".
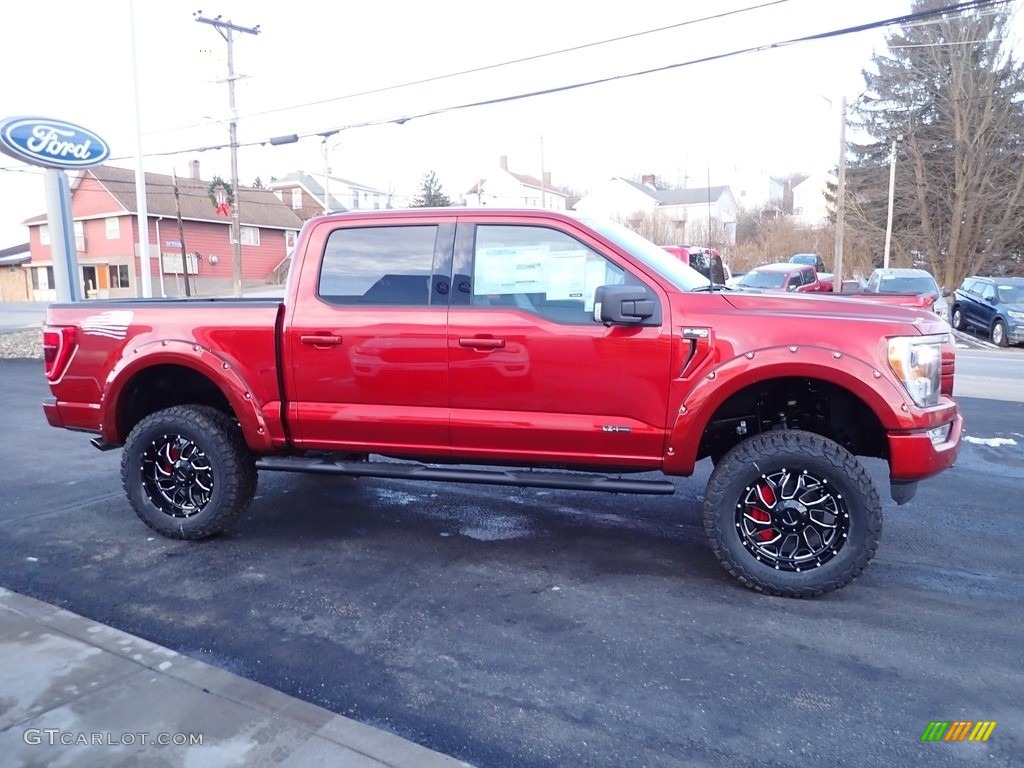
{"x": 51, "y": 143}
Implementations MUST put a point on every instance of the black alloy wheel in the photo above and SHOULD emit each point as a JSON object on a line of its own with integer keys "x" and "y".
{"x": 792, "y": 513}
{"x": 188, "y": 472}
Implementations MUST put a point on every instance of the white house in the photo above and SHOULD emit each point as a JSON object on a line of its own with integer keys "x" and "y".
{"x": 305, "y": 194}
{"x": 810, "y": 208}
{"x": 688, "y": 210}
{"x": 504, "y": 189}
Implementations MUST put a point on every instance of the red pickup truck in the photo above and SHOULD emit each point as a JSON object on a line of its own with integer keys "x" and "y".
{"x": 787, "y": 277}
{"x": 525, "y": 348}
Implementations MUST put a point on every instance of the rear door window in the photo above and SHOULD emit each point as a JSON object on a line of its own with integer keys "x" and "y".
{"x": 380, "y": 265}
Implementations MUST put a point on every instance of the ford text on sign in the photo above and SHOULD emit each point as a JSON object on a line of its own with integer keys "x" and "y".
{"x": 51, "y": 143}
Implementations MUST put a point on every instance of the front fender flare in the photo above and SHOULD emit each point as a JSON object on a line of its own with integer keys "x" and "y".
{"x": 872, "y": 386}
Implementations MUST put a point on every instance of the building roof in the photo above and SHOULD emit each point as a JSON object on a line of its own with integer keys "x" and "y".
{"x": 692, "y": 196}
{"x": 524, "y": 179}
{"x": 308, "y": 183}
{"x": 258, "y": 207}
{"x": 16, "y": 254}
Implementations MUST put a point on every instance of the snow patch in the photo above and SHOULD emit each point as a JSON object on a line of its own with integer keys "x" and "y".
{"x": 995, "y": 442}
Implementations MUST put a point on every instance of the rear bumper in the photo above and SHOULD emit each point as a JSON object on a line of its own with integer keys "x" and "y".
{"x": 914, "y": 456}
{"x": 83, "y": 417}
{"x": 52, "y": 413}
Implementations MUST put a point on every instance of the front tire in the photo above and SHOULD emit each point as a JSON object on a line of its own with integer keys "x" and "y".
{"x": 793, "y": 514}
{"x": 188, "y": 472}
{"x": 958, "y": 319}
{"x": 999, "y": 334}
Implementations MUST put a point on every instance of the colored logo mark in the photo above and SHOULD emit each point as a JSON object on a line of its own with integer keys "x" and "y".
{"x": 958, "y": 730}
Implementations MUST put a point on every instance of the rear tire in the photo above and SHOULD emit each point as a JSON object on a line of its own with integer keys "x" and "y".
{"x": 999, "y": 334}
{"x": 188, "y": 472}
{"x": 793, "y": 514}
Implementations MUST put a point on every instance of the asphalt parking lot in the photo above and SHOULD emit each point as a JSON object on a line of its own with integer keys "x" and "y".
{"x": 540, "y": 628}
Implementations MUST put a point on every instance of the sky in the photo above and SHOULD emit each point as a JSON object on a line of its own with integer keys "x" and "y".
{"x": 774, "y": 110}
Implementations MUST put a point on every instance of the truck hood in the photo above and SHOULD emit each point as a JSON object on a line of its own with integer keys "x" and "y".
{"x": 833, "y": 313}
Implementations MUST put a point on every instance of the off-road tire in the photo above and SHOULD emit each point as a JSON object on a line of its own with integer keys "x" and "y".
{"x": 842, "y": 481}
{"x": 957, "y": 319}
{"x": 998, "y": 336}
{"x": 187, "y": 471}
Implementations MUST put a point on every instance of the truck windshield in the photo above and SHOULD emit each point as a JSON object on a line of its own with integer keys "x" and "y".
{"x": 682, "y": 276}
{"x": 907, "y": 285}
{"x": 757, "y": 279}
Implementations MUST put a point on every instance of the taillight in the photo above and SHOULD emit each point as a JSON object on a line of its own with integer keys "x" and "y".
{"x": 58, "y": 344}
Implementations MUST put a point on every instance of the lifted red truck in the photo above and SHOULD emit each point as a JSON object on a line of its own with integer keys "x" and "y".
{"x": 525, "y": 348}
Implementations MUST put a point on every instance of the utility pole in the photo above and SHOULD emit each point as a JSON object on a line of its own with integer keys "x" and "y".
{"x": 226, "y": 29}
{"x": 181, "y": 233}
{"x": 837, "y": 280}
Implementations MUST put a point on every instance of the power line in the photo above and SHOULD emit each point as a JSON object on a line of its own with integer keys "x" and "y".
{"x": 487, "y": 67}
{"x": 961, "y": 7}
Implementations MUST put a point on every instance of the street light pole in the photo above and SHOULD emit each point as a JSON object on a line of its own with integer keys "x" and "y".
{"x": 892, "y": 189}
{"x": 226, "y": 30}
{"x": 837, "y": 280}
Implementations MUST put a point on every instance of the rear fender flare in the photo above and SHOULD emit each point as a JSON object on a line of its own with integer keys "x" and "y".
{"x": 203, "y": 360}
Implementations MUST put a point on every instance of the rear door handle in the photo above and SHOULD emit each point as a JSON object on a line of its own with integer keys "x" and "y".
{"x": 320, "y": 339}
{"x": 482, "y": 343}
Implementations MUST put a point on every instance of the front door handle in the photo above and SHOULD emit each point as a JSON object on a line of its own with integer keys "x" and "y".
{"x": 482, "y": 343}
{"x": 320, "y": 339}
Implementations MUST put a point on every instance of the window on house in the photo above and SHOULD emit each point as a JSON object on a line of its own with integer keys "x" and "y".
{"x": 44, "y": 234}
{"x": 250, "y": 235}
{"x": 119, "y": 276}
{"x": 296, "y": 198}
{"x": 80, "y": 235}
{"x": 113, "y": 225}
{"x": 355, "y": 199}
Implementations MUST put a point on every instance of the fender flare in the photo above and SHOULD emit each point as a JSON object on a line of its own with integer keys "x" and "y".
{"x": 203, "y": 360}
{"x": 877, "y": 390}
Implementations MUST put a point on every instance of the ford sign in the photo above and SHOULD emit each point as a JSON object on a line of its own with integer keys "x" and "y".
{"x": 51, "y": 143}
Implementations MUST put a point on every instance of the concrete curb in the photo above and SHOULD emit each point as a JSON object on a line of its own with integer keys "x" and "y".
{"x": 75, "y": 692}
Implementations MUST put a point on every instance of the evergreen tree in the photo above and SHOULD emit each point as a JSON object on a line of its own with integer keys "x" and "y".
{"x": 947, "y": 93}
{"x": 431, "y": 194}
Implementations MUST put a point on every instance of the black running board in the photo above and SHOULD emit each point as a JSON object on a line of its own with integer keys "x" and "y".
{"x": 573, "y": 481}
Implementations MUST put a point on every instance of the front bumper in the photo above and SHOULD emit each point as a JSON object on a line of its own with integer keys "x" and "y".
{"x": 1015, "y": 332}
{"x": 914, "y": 456}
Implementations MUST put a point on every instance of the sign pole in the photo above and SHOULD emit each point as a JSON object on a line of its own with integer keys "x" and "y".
{"x": 62, "y": 236}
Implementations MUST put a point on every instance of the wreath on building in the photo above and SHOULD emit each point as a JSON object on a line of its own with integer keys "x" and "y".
{"x": 222, "y": 196}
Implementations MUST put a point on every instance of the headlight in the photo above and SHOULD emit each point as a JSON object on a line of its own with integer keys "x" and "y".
{"x": 1015, "y": 315}
{"x": 917, "y": 363}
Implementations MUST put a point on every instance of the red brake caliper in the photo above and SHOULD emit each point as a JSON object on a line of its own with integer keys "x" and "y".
{"x": 173, "y": 454}
{"x": 768, "y": 495}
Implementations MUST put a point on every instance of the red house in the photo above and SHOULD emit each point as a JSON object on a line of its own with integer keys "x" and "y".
{"x": 105, "y": 212}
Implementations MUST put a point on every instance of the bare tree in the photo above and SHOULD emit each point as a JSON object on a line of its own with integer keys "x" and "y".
{"x": 947, "y": 96}
{"x": 655, "y": 226}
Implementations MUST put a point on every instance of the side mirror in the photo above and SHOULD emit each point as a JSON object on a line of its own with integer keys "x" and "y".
{"x": 622, "y": 305}
{"x": 791, "y": 287}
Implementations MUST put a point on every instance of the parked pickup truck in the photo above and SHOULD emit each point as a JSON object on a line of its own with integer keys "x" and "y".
{"x": 906, "y": 288}
{"x": 788, "y": 277}
{"x": 520, "y": 348}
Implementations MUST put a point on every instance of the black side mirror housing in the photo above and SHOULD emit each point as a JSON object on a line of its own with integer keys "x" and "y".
{"x": 624, "y": 305}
